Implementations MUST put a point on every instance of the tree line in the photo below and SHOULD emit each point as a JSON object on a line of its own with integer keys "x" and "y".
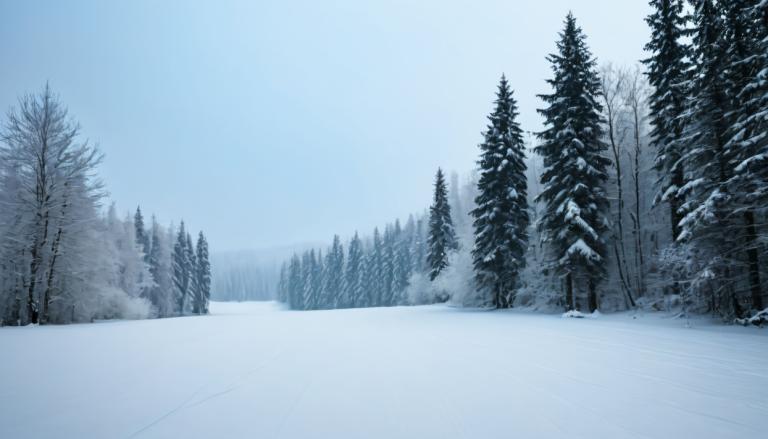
{"x": 646, "y": 187}
{"x": 63, "y": 260}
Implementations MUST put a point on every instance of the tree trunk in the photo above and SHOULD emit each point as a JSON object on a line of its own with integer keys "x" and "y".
{"x": 569, "y": 292}
{"x": 592, "y": 296}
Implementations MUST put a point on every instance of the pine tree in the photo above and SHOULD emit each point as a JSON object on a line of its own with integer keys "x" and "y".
{"x": 705, "y": 224}
{"x": 501, "y": 216}
{"x": 194, "y": 289}
{"x": 387, "y": 267}
{"x": 142, "y": 238}
{"x": 376, "y": 271}
{"x": 402, "y": 263}
{"x": 155, "y": 269}
{"x": 442, "y": 237}
{"x": 282, "y": 283}
{"x": 203, "y": 275}
{"x": 574, "y": 222}
{"x": 334, "y": 278}
{"x": 295, "y": 283}
{"x": 353, "y": 274}
{"x": 746, "y": 149}
{"x": 181, "y": 270}
{"x": 668, "y": 74}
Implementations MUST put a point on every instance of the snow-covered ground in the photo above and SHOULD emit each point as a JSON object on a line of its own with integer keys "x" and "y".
{"x": 253, "y": 370}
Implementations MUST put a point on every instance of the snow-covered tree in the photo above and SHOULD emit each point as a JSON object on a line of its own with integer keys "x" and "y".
{"x": 501, "y": 213}
{"x": 668, "y": 73}
{"x": 334, "y": 275}
{"x": 442, "y": 237}
{"x": 202, "y": 276}
{"x": 353, "y": 288}
{"x": 53, "y": 169}
{"x": 574, "y": 221}
{"x": 182, "y": 269}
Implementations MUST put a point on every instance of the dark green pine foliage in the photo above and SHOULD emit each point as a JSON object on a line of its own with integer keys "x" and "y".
{"x": 194, "y": 290}
{"x": 309, "y": 280}
{"x": 353, "y": 288}
{"x": 156, "y": 269}
{"x": 365, "y": 295}
{"x": 295, "y": 288}
{"x": 282, "y": 283}
{"x": 705, "y": 225}
{"x": 142, "y": 237}
{"x": 376, "y": 285}
{"x": 574, "y": 222}
{"x": 203, "y": 275}
{"x": 181, "y": 270}
{"x": 402, "y": 264}
{"x": 746, "y": 36}
{"x": 442, "y": 236}
{"x": 334, "y": 275}
{"x": 668, "y": 71}
{"x": 501, "y": 216}
{"x": 143, "y": 242}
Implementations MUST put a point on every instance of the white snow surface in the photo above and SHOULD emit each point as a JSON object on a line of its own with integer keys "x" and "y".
{"x": 256, "y": 370}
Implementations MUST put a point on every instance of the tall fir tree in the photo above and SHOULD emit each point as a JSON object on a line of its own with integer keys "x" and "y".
{"x": 142, "y": 237}
{"x": 746, "y": 46}
{"x": 194, "y": 290}
{"x": 387, "y": 267}
{"x": 308, "y": 264}
{"x": 157, "y": 295}
{"x": 203, "y": 275}
{"x": 353, "y": 274}
{"x": 376, "y": 271}
{"x": 181, "y": 270}
{"x": 668, "y": 71}
{"x": 705, "y": 224}
{"x": 334, "y": 277}
{"x": 574, "y": 221}
{"x": 402, "y": 265}
{"x": 501, "y": 217}
{"x": 442, "y": 236}
{"x": 295, "y": 289}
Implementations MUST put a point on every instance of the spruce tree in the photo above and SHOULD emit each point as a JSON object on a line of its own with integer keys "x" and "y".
{"x": 705, "y": 225}
{"x": 402, "y": 265}
{"x": 194, "y": 290}
{"x": 142, "y": 238}
{"x": 352, "y": 273}
{"x": 442, "y": 237}
{"x": 376, "y": 271}
{"x": 668, "y": 73}
{"x": 181, "y": 272}
{"x": 295, "y": 289}
{"x": 203, "y": 274}
{"x": 155, "y": 268}
{"x": 334, "y": 278}
{"x": 308, "y": 280}
{"x": 388, "y": 267}
{"x": 574, "y": 221}
{"x": 501, "y": 216}
{"x": 746, "y": 46}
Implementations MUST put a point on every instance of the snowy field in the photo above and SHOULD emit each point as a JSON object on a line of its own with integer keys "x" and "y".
{"x": 255, "y": 371}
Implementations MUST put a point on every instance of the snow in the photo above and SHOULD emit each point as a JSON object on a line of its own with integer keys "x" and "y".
{"x": 255, "y": 370}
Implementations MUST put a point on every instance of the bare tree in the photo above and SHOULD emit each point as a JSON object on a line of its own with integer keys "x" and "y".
{"x": 39, "y": 139}
{"x": 613, "y": 82}
{"x": 635, "y": 98}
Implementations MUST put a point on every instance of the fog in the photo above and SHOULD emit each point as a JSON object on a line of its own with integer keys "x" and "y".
{"x": 291, "y": 121}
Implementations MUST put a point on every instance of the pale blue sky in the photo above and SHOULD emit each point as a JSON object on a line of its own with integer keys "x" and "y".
{"x": 279, "y": 122}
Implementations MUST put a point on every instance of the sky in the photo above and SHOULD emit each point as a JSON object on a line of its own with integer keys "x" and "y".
{"x": 270, "y": 123}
